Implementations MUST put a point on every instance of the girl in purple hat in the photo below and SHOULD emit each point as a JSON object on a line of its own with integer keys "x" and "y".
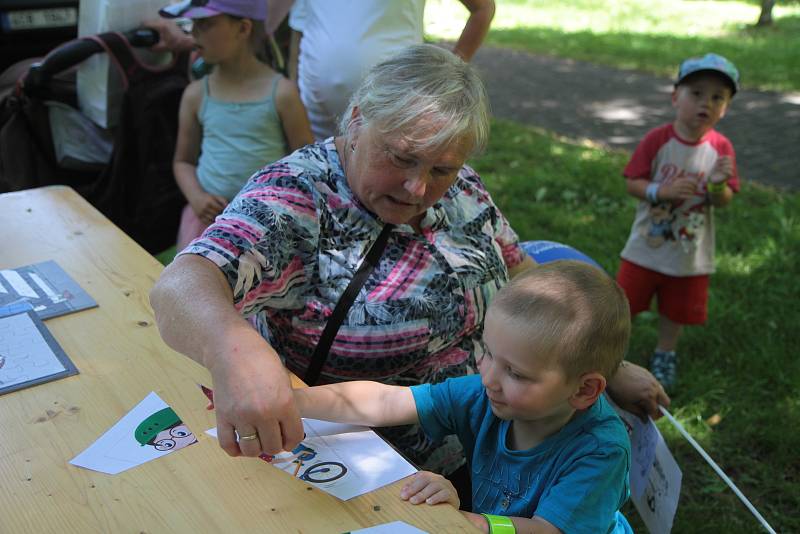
{"x": 239, "y": 118}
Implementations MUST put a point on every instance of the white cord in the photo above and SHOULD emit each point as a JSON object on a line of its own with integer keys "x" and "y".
{"x": 716, "y": 468}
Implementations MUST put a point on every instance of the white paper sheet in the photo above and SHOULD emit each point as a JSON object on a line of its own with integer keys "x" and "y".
{"x": 25, "y": 353}
{"x": 395, "y": 527}
{"x": 121, "y": 447}
{"x": 659, "y": 499}
{"x": 343, "y": 460}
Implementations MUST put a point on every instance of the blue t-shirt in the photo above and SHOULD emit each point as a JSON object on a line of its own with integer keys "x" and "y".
{"x": 576, "y": 479}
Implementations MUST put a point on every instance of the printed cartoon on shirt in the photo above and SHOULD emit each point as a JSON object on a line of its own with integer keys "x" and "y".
{"x": 681, "y": 221}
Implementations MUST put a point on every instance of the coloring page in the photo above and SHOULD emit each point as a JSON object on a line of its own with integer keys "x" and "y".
{"x": 149, "y": 431}
{"x": 343, "y": 460}
{"x": 29, "y": 354}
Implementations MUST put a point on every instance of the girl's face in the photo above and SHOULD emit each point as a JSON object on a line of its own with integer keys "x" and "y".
{"x": 220, "y": 37}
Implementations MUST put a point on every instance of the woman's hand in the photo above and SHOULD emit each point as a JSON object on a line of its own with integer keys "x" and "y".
{"x": 429, "y": 488}
{"x": 170, "y": 37}
{"x": 207, "y": 206}
{"x": 253, "y": 397}
{"x": 636, "y": 390}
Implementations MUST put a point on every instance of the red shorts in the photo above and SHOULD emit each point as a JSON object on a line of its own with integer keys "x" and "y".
{"x": 682, "y": 299}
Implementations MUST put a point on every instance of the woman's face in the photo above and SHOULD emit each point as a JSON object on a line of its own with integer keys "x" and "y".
{"x": 396, "y": 181}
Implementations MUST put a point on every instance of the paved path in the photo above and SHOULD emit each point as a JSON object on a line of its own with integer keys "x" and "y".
{"x": 616, "y": 108}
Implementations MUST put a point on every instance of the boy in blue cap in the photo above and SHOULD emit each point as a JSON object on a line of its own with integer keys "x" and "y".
{"x": 680, "y": 171}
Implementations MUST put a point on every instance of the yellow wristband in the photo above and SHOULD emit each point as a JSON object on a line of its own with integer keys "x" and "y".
{"x": 711, "y": 187}
{"x": 500, "y": 524}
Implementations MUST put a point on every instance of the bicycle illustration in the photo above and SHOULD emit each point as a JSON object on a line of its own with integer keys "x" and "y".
{"x": 324, "y": 472}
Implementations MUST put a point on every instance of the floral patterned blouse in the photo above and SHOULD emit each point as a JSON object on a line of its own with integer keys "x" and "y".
{"x": 292, "y": 239}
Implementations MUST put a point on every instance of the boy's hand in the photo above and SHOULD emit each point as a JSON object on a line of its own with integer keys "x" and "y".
{"x": 722, "y": 170}
{"x": 207, "y": 206}
{"x": 680, "y": 189}
{"x": 429, "y": 488}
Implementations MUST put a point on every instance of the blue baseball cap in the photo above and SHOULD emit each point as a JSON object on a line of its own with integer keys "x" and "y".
{"x": 710, "y": 63}
{"x": 201, "y": 9}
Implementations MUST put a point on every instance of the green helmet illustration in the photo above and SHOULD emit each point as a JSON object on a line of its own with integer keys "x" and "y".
{"x": 150, "y": 427}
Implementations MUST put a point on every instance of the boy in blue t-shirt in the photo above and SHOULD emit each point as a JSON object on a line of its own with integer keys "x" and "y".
{"x": 546, "y": 451}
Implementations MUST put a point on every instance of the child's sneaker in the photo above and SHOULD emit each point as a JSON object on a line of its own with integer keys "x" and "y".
{"x": 664, "y": 366}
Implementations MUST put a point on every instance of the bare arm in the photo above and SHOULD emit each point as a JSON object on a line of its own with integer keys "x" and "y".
{"x": 680, "y": 189}
{"x": 187, "y": 150}
{"x": 481, "y": 13}
{"x": 194, "y": 311}
{"x": 358, "y": 403}
{"x": 293, "y": 115}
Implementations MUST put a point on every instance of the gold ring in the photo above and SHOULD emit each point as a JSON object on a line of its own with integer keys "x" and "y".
{"x": 248, "y": 437}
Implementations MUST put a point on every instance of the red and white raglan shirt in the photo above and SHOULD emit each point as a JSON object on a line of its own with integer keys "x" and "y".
{"x": 676, "y": 238}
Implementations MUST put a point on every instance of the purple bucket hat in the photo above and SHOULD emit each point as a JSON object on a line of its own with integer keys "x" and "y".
{"x": 712, "y": 63}
{"x": 200, "y": 9}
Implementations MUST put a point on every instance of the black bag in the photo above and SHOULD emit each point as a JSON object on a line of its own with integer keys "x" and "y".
{"x": 137, "y": 189}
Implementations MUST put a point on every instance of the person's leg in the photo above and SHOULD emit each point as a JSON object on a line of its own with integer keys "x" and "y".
{"x": 668, "y": 333}
{"x": 681, "y": 301}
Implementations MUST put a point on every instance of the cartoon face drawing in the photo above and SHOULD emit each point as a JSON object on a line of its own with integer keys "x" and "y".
{"x": 177, "y": 437}
{"x": 660, "y": 228}
{"x": 164, "y": 431}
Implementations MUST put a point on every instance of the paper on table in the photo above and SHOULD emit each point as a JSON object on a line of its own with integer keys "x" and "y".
{"x": 29, "y": 354}
{"x": 395, "y": 527}
{"x": 343, "y": 460}
{"x": 49, "y": 289}
{"x": 149, "y": 431}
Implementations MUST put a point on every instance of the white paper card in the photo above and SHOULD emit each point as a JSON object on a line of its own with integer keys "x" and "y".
{"x": 343, "y": 460}
{"x": 395, "y": 527}
{"x": 149, "y": 431}
{"x": 658, "y": 500}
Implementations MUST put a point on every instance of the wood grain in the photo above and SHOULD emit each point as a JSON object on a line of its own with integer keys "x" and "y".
{"x": 121, "y": 358}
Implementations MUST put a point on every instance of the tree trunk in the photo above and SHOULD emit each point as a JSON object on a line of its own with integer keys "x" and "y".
{"x": 765, "y": 18}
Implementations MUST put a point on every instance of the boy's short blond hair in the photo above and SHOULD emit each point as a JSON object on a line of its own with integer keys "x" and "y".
{"x": 572, "y": 312}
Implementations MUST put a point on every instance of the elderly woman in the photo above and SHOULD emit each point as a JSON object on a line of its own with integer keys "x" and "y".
{"x": 287, "y": 246}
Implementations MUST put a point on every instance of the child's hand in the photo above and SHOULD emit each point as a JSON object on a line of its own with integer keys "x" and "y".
{"x": 722, "y": 170}
{"x": 429, "y": 488}
{"x": 680, "y": 189}
{"x": 207, "y": 206}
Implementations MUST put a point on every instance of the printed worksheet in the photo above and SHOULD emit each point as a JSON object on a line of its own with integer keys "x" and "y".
{"x": 343, "y": 460}
{"x": 655, "y": 477}
{"x": 149, "y": 431}
{"x": 46, "y": 286}
{"x": 395, "y": 527}
{"x": 29, "y": 354}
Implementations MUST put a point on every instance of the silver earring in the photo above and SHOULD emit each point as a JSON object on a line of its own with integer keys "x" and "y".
{"x": 352, "y": 147}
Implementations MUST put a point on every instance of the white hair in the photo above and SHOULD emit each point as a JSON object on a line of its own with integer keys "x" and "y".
{"x": 422, "y": 82}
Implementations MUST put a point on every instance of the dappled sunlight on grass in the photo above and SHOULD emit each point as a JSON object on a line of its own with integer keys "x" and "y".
{"x": 653, "y": 36}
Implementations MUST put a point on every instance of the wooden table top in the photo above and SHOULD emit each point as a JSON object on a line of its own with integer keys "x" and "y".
{"x": 121, "y": 358}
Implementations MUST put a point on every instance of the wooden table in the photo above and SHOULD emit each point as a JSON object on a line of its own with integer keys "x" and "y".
{"x": 121, "y": 358}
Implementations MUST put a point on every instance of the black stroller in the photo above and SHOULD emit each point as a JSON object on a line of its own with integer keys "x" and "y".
{"x": 135, "y": 186}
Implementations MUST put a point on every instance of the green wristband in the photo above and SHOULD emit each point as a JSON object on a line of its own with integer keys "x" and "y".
{"x": 500, "y": 524}
{"x": 711, "y": 187}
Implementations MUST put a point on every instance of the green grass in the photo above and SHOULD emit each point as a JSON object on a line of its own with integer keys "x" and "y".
{"x": 652, "y": 36}
{"x": 742, "y": 365}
